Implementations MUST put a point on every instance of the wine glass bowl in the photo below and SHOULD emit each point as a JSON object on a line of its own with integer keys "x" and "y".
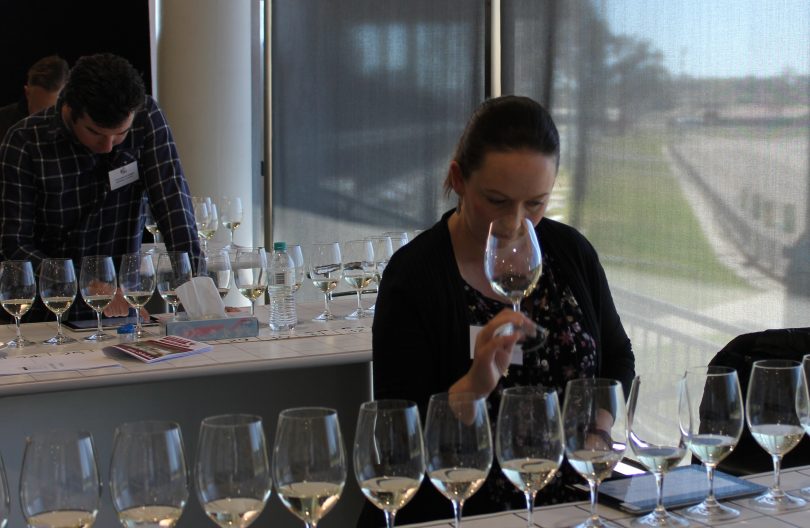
{"x": 711, "y": 418}
{"x": 513, "y": 262}
{"x": 309, "y": 462}
{"x": 250, "y": 274}
{"x": 231, "y": 214}
{"x": 173, "y": 270}
{"x": 325, "y": 269}
{"x": 388, "y": 454}
{"x": 57, "y": 289}
{"x": 217, "y": 266}
{"x": 18, "y": 289}
{"x": 232, "y": 469}
{"x": 206, "y": 219}
{"x": 358, "y": 270}
{"x": 137, "y": 281}
{"x": 383, "y": 250}
{"x": 528, "y": 440}
{"x": 458, "y": 446}
{"x": 97, "y": 284}
{"x": 148, "y": 476}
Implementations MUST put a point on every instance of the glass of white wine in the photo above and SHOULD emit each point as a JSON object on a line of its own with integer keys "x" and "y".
{"x": 389, "y": 461}
{"x": 458, "y": 446}
{"x": 711, "y": 416}
{"x": 18, "y": 289}
{"x": 232, "y": 469}
{"x": 217, "y": 266}
{"x": 97, "y": 284}
{"x": 207, "y": 220}
{"x": 528, "y": 440}
{"x": 594, "y": 429}
{"x": 250, "y": 274}
{"x": 655, "y": 437}
{"x": 512, "y": 262}
{"x": 137, "y": 281}
{"x": 173, "y": 269}
{"x": 57, "y": 289}
{"x": 232, "y": 214}
{"x": 59, "y": 481}
{"x": 773, "y": 419}
{"x": 358, "y": 270}
{"x": 383, "y": 250}
{"x": 297, "y": 255}
{"x": 148, "y": 476}
{"x": 309, "y": 462}
{"x": 325, "y": 270}
{"x": 151, "y": 224}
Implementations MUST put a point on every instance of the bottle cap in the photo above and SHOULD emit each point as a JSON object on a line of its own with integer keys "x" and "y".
{"x": 279, "y": 246}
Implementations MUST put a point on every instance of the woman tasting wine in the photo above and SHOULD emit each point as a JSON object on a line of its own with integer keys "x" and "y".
{"x": 434, "y": 291}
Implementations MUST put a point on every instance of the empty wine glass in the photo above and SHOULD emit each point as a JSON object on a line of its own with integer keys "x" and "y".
{"x": 59, "y": 482}
{"x": 232, "y": 469}
{"x": 18, "y": 289}
{"x": 173, "y": 269}
{"x": 383, "y": 250}
{"x": 711, "y": 416}
{"x": 309, "y": 462}
{"x": 654, "y": 435}
{"x": 137, "y": 280}
{"x": 97, "y": 284}
{"x": 5, "y": 496}
{"x": 250, "y": 274}
{"x": 528, "y": 440}
{"x": 231, "y": 213}
{"x": 57, "y": 289}
{"x": 398, "y": 238}
{"x": 389, "y": 460}
{"x": 325, "y": 270}
{"x": 148, "y": 477}
{"x": 458, "y": 446}
{"x": 217, "y": 265}
{"x": 512, "y": 262}
{"x": 358, "y": 270}
{"x": 594, "y": 428}
{"x": 773, "y": 419}
{"x": 205, "y": 214}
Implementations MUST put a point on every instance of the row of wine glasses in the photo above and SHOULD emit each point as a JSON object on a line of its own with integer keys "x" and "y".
{"x": 209, "y": 216}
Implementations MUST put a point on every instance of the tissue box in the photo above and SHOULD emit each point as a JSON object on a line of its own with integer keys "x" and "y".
{"x": 211, "y": 329}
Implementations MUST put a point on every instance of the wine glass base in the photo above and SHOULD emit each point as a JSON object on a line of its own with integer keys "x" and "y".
{"x": 21, "y": 343}
{"x": 776, "y": 503}
{"x": 59, "y": 340}
{"x": 597, "y": 523}
{"x": 357, "y": 314}
{"x": 97, "y": 337}
{"x": 325, "y": 316}
{"x": 711, "y": 513}
{"x": 663, "y": 519}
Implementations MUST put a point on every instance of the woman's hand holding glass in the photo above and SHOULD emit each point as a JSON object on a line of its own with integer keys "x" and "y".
{"x": 137, "y": 281}
{"x": 97, "y": 283}
{"x": 250, "y": 274}
{"x": 173, "y": 269}
{"x": 57, "y": 289}
{"x": 325, "y": 270}
{"x": 18, "y": 289}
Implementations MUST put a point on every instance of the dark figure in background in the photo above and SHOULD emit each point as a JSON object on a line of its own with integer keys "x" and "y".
{"x": 44, "y": 81}
{"x": 434, "y": 290}
{"x": 73, "y": 178}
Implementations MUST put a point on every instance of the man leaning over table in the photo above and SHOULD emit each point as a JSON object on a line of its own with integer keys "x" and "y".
{"x": 73, "y": 179}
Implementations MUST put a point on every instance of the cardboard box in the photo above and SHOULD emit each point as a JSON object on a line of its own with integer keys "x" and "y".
{"x": 240, "y": 325}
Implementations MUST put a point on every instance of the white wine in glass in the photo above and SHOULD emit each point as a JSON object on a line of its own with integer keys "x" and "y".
{"x": 231, "y": 215}
{"x": 57, "y": 289}
{"x": 383, "y": 250}
{"x": 207, "y": 220}
{"x": 358, "y": 270}
{"x": 529, "y": 440}
{"x": 512, "y": 262}
{"x": 250, "y": 274}
{"x": 388, "y": 455}
{"x": 97, "y": 284}
{"x": 458, "y": 446}
{"x": 232, "y": 469}
{"x": 711, "y": 417}
{"x": 325, "y": 270}
{"x": 173, "y": 270}
{"x": 137, "y": 281}
{"x": 773, "y": 419}
{"x": 309, "y": 462}
{"x": 18, "y": 289}
{"x": 148, "y": 476}
{"x": 59, "y": 481}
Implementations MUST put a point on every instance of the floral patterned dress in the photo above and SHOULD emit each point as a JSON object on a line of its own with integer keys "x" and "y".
{"x": 568, "y": 352}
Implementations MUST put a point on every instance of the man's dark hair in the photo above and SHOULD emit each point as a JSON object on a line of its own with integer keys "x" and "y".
{"x": 49, "y": 73}
{"x": 106, "y": 87}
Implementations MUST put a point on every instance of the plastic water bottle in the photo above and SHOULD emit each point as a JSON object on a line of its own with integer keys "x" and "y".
{"x": 281, "y": 274}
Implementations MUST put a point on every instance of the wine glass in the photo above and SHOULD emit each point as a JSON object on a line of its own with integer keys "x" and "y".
{"x": 711, "y": 416}
{"x": 97, "y": 284}
{"x": 217, "y": 265}
{"x": 309, "y": 462}
{"x": 205, "y": 214}
{"x": 231, "y": 213}
{"x": 512, "y": 262}
{"x": 57, "y": 289}
{"x": 173, "y": 269}
{"x": 297, "y": 256}
{"x": 654, "y": 435}
{"x": 389, "y": 460}
{"x": 773, "y": 419}
{"x": 458, "y": 446}
{"x": 594, "y": 430}
{"x": 151, "y": 224}
{"x": 803, "y": 406}
{"x": 383, "y": 250}
{"x": 18, "y": 289}
{"x": 232, "y": 469}
{"x": 59, "y": 482}
{"x": 148, "y": 477}
{"x": 358, "y": 270}
{"x": 5, "y": 497}
{"x": 398, "y": 238}
{"x": 325, "y": 269}
{"x": 136, "y": 278}
{"x": 528, "y": 440}
{"x": 250, "y": 274}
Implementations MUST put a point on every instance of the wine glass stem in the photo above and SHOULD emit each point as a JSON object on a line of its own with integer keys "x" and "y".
{"x": 359, "y": 305}
{"x": 777, "y": 477}
{"x": 231, "y": 230}
{"x": 389, "y": 518}
{"x": 98, "y": 321}
{"x": 326, "y": 310}
{"x": 592, "y": 484}
{"x": 516, "y": 306}
{"x": 252, "y": 307}
{"x": 530, "y": 508}
{"x": 659, "y": 493}
{"x": 19, "y": 332}
{"x": 457, "y": 507}
{"x": 710, "y": 476}
{"x": 59, "y": 325}
{"x": 137, "y": 321}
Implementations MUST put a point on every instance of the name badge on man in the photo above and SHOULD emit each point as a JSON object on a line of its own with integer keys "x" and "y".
{"x": 517, "y": 350}
{"x": 124, "y": 175}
